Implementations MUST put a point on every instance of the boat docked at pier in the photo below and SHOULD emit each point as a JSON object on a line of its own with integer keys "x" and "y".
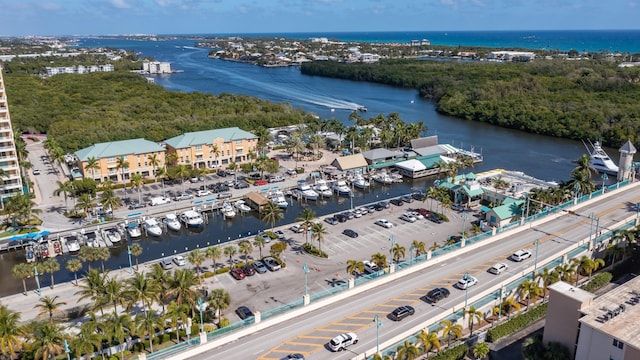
{"x": 360, "y": 182}
{"x": 322, "y": 188}
{"x": 152, "y": 227}
{"x": 242, "y": 206}
{"x": 112, "y": 234}
{"x": 192, "y": 219}
{"x": 30, "y": 254}
{"x": 341, "y": 188}
{"x": 228, "y": 210}
{"x": 133, "y": 229}
{"x": 600, "y": 160}
{"x": 72, "y": 242}
{"x": 277, "y": 197}
{"x": 306, "y": 192}
{"x": 172, "y": 222}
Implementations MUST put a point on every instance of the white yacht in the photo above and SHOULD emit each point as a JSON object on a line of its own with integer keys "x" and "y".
{"x": 278, "y": 198}
{"x": 72, "y": 243}
{"x": 228, "y": 210}
{"x": 242, "y": 206}
{"x": 307, "y": 192}
{"x": 112, "y": 234}
{"x": 383, "y": 178}
{"x": 152, "y": 227}
{"x": 360, "y": 182}
{"x": 172, "y": 222}
{"x": 133, "y": 229}
{"x": 192, "y": 218}
{"x": 322, "y": 188}
{"x": 600, "y": 160}
{"x": 342, "y": 188}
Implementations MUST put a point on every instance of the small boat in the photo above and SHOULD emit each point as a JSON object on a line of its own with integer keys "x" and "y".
{"x": 342, "y": 188}
{"x": 133, "y": 229}
{"x": 112, "y": 234}
{"x": 152, "y": 227}
{"x": 307, "y": 193}
{"x": 192, "y": 218}
{"x": 172, "y": 222}
{"x": 362, "y": 109}
{"x": 360, "y": 182}
{"x": 227, "y": 210}
{"x": 600, "y": 160}
{"x": 242, "y": 206}
{"x": 30, "y": 255}
{"x": 278, "y": 198}
{"x": 57, "y": 248}
{"x": 322, "y": 188}
{"x": 72, "y": 243}
{"x": 383, "y": 178}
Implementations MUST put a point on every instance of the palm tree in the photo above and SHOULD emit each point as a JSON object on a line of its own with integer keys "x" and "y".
{"x": 48, "y": 339}
{"x": 306, "y": 217}
{"x": 85, "y": 343}
{"x": 587, "y": 266}
{"x": 154, "y": 162}
{"x": 65, "y": 188}
{"x": 102, "y": 254}
{"x": 548, "y": 277}
{"x": 85, "y": 203}
{"x": 139, "y": 288}
{"x": 219, "y": 299}
{"x": 245, "y": 248}
{"x": 93, "y": 164}
{"x": 418, "y": 247}
{"x": 529, "y": 289}
{"x": 508, "y": 304}
{"x": 49, "y": 306}
{"x": 474, "y": 316}
{"x": 407, "y": 351}
{"x": 137, "y": 182}
{"x": 23, "y": 271}
{"x": 109, "y": 200}
{"x": 182, "y": 172}
{"x": 260, "y": 242}
{"x": 181, "y": 286}
{"x": 230, "y": 251}
{"x": 160, "y": 280}
{"x": 136, "y": 251}
{"x": 481, "y": 350}
{"x": 176, "y": 313}
{"x": 93, "y": 287}
{"x": 398, "y": 251}
{"x": 566, "y": 271}
{"x": 319, "y": 232}
{"x": 197, "y": 257}
{"x": 121, "y": 165}
{"x": 379, "y": 259}
{"x": 429, "y": 340}
{"x": 214, "y": 253}
{"x": 113, "y": 293}
{"x": 271, "y": 213}
{"x": 50, "y": 266}
{"x": 88, "y": 255}
{"x": 448, "y": 329}
{"x": 11, "y": 333}
{"x": 118, "y": 328}
{"x": 148, "y": 324}
{"x": 355, "y": 267}
{"x": 583, "y": 165}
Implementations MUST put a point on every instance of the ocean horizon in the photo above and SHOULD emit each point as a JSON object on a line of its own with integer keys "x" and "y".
{"x": 615, "y": 41}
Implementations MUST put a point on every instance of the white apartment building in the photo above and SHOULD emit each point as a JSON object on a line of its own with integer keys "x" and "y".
{"x": 11, "y": 181}
{"x": 156, "y": 67}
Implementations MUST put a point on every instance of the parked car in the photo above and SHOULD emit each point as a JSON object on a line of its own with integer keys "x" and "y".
{"x": 498, "y": 268}
{"x": 341, "y": 217}
{"x": 243, "y": 312}
{"x": 418, "y": 195}
{"x": 520, "y": 255}
{"x": 202, "y": 193}
{"x": 369, "y": 267}
{"x": 397, "y": 202}
{"x": 248, "y": 270}
{"x": 292, "y": 172}
{"x": 437, "y": 294}
{"x": 407, "y": 199}
{"x": 408, "y": 218}
{"x": 416, "y": 215}
{"x": 242, "y": 185}
{"x": 136, "y": 205}
{"x": 237, "y": 273}
{"x": 276, "y": 178}
{"x": 280, "y": 234}
{"x": 350, "y": 215}
{"x": 221, "y": 173}
{"x": 435, "y": 218}
{"x": 36, "y": 172}
{"x": 422, "y": 211}
{"x": 384, "y": 223}
{"x": 260, "y": 267}
{"x": 159, "y": 200}
{"x": 331, "y": 220}
{"x": 166, "y": 264}
{"x": 350, "y": 233}
{"x": 341, "y": 341}
{"x": 271, "y": 263}
{"x": 296, "y": 356}
{"x": 466, "y": 282}
{"x": 180, "y": 260}
{"x": 183, "y": 196}
{"x": 402, "y": 312}
{"x": 297, "y": 228}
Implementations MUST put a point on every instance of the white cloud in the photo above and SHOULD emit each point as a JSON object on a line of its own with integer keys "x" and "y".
{"x": 120, "y": 4}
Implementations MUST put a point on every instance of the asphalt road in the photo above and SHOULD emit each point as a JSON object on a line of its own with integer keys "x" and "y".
{"x": 310, "y": 332}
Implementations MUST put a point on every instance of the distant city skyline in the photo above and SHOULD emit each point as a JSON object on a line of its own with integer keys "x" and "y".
{"x": 101, "y": 17}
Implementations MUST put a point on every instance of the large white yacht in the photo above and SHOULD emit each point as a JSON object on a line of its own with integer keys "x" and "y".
{"x": 600, "y": 160}
{"x": 152, "y": 227}
{"x": 133, "y": 229}
{"x": 342, "y": 188}
{"x": 360, "y": 182}
{"x": 307, "y": 192}
{"x": 322, "y": 188}
{"x": 192, "y": 218}
{"x": 171, "y": 221}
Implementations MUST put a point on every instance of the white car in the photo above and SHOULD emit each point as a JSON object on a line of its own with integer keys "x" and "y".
{"x": 498, "y": 268}
{"x": 416, "y": 215}
{"x": 297, "y": 228}
{"x": 520, "y": 255}
{"x": 408, "y": 218}
{"x": 384, "y": 223}
{"x": 466, "y": 282}
{"x": 341, "y": 341}
{"x": 202, "y": 193}
{"x": 180, "y": 260}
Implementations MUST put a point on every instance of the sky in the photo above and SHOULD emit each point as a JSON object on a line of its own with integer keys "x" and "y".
{"x": 101, "y": 17}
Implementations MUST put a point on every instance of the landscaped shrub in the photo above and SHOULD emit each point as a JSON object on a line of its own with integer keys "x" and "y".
{"x": 208, "y": 274}
{"x": 454, "y": 353}
{"x": 271, "y": 234}
{"x": 312, "y": 250}
{"x": 516, "y": 323}
{"x": 597, "y": 281}
{"x": 222, "y": 270}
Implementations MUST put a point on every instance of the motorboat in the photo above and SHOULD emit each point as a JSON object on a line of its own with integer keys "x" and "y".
{"x": 342, "y": 188}
{"x": 307, "y": 193}
{"x": 383, "y": 178}
{"x": 362, "y": 109}
{"x": 228, "y": 210}
{"x": 112, "y": 234}
{"x": 242, "y": 206}
{"x": 322, "y": 188}
{"x": 172, "y": 222}
{"x": 279, "y": 199}
{"x": 133, "y": 229}
{"x": 93, "y": 238}
{"x": 72, "y": 243}
{"x": 360, "y": 182}
{"x": 192, "y": 218}
{"x": 152, "y": 227}
{"x": 600, "y": 160}
{"x": 30, "y": 255}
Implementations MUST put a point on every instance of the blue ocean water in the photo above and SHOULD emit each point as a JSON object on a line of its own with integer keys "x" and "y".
{"x": 624, "y": 41}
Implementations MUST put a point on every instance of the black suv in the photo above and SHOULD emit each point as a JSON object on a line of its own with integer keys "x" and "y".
{"x": 401, "y": 313}
{"x": 437, "y": 294}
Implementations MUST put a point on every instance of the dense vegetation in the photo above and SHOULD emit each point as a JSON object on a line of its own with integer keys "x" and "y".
{"x": 81, "y": 110}
{"x": 516, "y": 323}
{"x": 576, "y": 99}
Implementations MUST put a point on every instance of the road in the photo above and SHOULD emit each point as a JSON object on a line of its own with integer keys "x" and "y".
{"x": 310, "y": 332}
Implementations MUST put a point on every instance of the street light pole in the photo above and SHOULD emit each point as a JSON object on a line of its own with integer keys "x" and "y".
{"x": 200, "y": 305}
{"x": 351, "y": 198}
{"x": 535, "y": 261}
{"x": 37, "y": 280}
{"x": 392, "y": 239}
{"x": 305, "y": 268}
{"x": 411, "y": 249}
{"x": 376, "y": 319}
{"x": 466, "y": 289}
{"x": 464, "y": 221}
{"x": 604, "y": 177}
{"x": 129, "y": 253}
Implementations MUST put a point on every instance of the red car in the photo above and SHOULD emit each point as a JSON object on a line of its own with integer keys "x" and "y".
{"x": 422, "y": 211}
{"x": 237, "y": 273}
